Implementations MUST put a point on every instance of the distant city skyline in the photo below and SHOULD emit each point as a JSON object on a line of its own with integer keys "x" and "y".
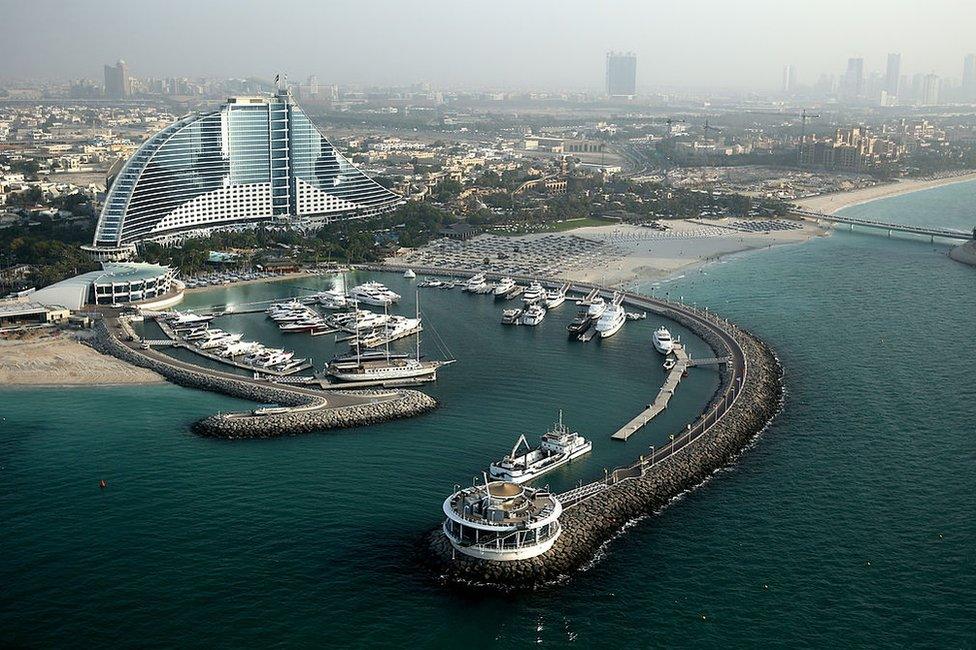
{"x": 386, "y": 43}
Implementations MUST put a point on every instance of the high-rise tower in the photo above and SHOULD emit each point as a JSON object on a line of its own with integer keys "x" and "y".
{"x": 621, "y": 75}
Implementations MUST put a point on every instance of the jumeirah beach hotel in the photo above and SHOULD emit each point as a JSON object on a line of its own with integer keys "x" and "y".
{"x": 256, "y": 160}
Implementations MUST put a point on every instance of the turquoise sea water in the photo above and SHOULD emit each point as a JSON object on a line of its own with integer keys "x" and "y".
{"x": 849, "y": 523}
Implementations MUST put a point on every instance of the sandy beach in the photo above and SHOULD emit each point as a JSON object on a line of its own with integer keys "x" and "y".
{"x": 64, "y": 361}
{"x": 830, "y": 203}
{"x": 651, "y": 255}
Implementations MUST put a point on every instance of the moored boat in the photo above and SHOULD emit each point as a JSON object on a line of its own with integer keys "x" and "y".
{"x": 533, "y": 315}
{"x": 662, "y": 340}
{"x": 611, "y": 321}
{"x": 559, "y": 445}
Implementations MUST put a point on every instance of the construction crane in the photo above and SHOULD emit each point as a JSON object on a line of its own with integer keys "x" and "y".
{"x": 804, "y": 116}
{"x": 669, "y": 121}
{"x": 705, "y": 129}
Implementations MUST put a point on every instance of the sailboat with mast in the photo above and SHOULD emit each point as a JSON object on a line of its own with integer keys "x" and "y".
{"x": 378, "y": 367}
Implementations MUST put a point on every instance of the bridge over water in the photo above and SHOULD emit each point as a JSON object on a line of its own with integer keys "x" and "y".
{"x": 931, "y": 232}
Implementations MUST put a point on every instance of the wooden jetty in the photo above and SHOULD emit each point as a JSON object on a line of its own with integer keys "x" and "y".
{"x": 663, "y": 397}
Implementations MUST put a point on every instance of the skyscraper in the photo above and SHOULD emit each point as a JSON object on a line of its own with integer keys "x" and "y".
{"x": 969, "y": 77}
{"x": 789, "y": 78}
{"x": 118, "y": 85}
{"x": 621, "y": 74}
{"x": 255, "y": 160}
{"x": 892, "y": 74}
{"x": 853, "y": 86}
{"x": 930, "y": 90}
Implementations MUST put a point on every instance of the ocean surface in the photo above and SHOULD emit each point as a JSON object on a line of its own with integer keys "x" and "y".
{"x": 848, "y": 523}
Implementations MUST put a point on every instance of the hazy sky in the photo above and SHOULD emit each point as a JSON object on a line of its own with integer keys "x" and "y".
{"x": 489, "y": 43}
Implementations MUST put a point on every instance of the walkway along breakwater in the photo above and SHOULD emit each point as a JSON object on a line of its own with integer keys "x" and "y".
{"x": 748, "y": 397}
{"x": 297, "y": 409}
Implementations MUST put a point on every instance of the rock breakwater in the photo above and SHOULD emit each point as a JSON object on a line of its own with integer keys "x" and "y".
{"x": 590, "y": 524}
{"x": 303, "y": 410}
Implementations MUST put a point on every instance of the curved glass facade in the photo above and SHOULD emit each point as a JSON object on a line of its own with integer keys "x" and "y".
{"x": 254, "y": 160}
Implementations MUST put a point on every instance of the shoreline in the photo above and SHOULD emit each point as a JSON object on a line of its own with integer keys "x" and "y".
{"x": 837, "y": 201}
{"x": 656, "y": 259}
{"x": 241, "y": 283}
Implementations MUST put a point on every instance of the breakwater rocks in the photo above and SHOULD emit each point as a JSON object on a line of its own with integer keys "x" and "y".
{"x": 590, "y": 524}
{"x": 300, "y": 410}
{"x": 233, "y": 426}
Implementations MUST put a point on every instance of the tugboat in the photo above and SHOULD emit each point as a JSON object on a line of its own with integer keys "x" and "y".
{"x": 523, "y": 464}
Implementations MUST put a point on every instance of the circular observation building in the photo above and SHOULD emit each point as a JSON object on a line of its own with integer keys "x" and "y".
{"x": 502, "y": 521}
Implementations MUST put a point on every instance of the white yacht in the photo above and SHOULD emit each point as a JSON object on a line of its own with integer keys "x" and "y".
{"x": 374, "y": 293}
{"x": 378, "y": 367}
{"x": 476, "y": 284}
{"x": 504, "y": 286}
{"x": 237, "y": 349}
{"x": 554, "y": 298}
{"x": 409, "y": 274}
{"x": 534, "y": 293}
{"x": 662, "y": 340}
{"x": 187, "y": 320}
{"x": 611, "y": 321}
{"x": 333, "y": 299}
{"x": 396, "y": 327}
{"x": 533, "y": 315}
{"x": 433, "y": 283}
{"x": 382, "y": 369}
{"x": 303, "y": 325}
{"x": 523, "y": 464}
{"x": 512, "y": 316}
{"x": 219, "y": 339}
{"x": 597, "y": 306}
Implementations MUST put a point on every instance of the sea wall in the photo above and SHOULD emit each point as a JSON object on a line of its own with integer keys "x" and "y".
{"x": 589, "y": 525}
{"x": 235, "y": 426}
{"x": 965, "y": 253}
{"x": 309, "y": 412}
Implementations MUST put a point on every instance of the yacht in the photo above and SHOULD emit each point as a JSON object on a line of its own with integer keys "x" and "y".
{"x": 181, "y": 321}
{"x": 362, "y": 366}
{"x": 559, "y": 446}
{"x": 534, "y": 293}
{"x": 409, "y": 274}
{"x": 431, "y": 282}
{"x": 662, "y": 340}
{"x": 597, "y": 306}
{"x": 476, "y": 283}
{"x": 267, "y": 357}
{"x": 611, "y": 321}
{"x": 512, "y": 316}
{"x": 504, "y": 286}
{"x": 285, "y": 307}
{"x": 237, "y": 349}
{"x": 554, "y": 298}
{"x": 533, "y": 315}
{"x": 580, "y": 323}
{"x": 396, "y": 327}
{"x": 374, "y": 293}
{"x": 303, "y": 325}
{"x": 218, "y": 339}
{"x": 333, "y": 299}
